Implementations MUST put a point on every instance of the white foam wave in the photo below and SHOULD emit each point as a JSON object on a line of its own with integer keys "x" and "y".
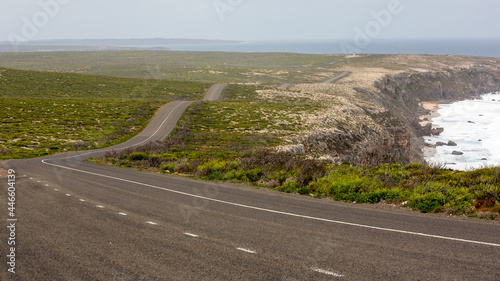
{"x": 474, "y": 125}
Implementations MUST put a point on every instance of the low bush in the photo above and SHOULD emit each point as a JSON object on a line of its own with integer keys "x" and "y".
{"x": 290, "y": 187}
{"x": 138, "y": 156}
{"x": 426, "y": 203}
{"x": 167, "y": 167}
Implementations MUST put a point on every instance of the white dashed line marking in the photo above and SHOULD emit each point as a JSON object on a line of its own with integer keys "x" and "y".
{"x": 56, "y": 189}
{"x": 191, "y": 235}
{"x": 67, "y": 194}
{"x": 99, "y": 206}
{"x": 46, "y": 185}
{"x": 31, "y": 178}
{"x": 246, "y": 250}
{"x": 122, "y": 214}
{"x": 271, "y": 210}
{"x": 327, "y": 272}
{"x": 82, "y": 200}
{"x": 38, "y": 181}
{"x": 152, "y": 223}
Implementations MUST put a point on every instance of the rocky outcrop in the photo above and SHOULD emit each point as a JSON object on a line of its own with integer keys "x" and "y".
{"x": 382, "y": 125}
{"x": 401, "y": 94}
{"x": 364, "y": 147}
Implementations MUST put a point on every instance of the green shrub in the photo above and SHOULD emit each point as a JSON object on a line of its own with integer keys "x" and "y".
{"x": 214, "y": 177}
{"x": 385, "y": 194}
{"x": 304, "y": 190}
{"x": 290, "y": 187}
{"x": 137, "y": 156}
{"x": 211, "y": 167}
{"x": 168, "y": 157}
{"x": 125, "y": 164}
{"x": 414, "y": 166}
{"x": 254, "y": 175}
{"x": 426, "y": 203}
{"x": 459, "y": 199}
{"x": 167, "y": 167}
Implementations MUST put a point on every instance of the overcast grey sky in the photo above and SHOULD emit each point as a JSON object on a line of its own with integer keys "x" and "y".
{"x": 247, "y": 19}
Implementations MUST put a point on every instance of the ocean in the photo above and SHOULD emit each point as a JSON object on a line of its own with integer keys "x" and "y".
{"x": 468, "y": 47}
{"x": 474, "y": 125}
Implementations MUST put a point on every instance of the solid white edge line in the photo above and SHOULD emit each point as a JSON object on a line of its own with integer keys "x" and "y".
{"x": 280, "y": 212}
{"x": 191, "y": 234}
{"x": 246, "y": 250}
{"x": 257, "y": 208}
{"x": 327, "y": 272}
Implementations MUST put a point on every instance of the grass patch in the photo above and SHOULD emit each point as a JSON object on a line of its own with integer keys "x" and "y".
{"x": 33, "y": 127}
{"x": 22, "y": 83}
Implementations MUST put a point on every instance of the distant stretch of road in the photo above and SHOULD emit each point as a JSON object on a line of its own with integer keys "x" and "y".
{"x": 331, "y": 80}
{"x": 285, "y": 86}
{"x": 338, "y": 77}
{"x": 81, "y": 221}
{"x": 214, "y": 92}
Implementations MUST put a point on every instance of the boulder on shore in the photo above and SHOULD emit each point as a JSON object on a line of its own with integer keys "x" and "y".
{"x": 457, "y": 152}
{"x": 452, "y": 143}
{"x": 440, "y": 143}
{"x": 436, "y": 131}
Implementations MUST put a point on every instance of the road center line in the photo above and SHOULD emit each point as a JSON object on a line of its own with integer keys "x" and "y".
{"x": 327, "y": 272}
{"x": 280, "y": 212}
{"x": 246, "y": 250}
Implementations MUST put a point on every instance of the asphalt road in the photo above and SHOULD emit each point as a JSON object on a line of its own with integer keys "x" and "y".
{"x": 214, "y": 92}
{"x": 338, "y": 77}
{"x": 81, "y": 221}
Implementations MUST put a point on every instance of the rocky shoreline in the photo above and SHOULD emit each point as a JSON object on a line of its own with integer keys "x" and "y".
{"x": 414, "y": 98}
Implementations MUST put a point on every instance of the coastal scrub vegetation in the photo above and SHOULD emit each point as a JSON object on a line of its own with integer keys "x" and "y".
{"x": 34, "y": 127}
{"x": 203, "y": 148}
{"x": 45, "y": 112}
{"x": 423, "y": 188}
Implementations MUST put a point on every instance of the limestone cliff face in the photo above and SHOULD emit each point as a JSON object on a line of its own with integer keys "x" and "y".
{"x": 402, "y": 93}
{"x": 380, "y": 124}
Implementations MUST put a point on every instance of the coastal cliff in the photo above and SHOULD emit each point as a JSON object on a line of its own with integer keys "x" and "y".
{"x": 403, "y": 93}
{"x": 388, "y": 129}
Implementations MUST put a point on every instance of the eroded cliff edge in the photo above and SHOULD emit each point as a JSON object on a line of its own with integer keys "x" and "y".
{"x": 402, "y": 93}
{"x": 371, "y": 125}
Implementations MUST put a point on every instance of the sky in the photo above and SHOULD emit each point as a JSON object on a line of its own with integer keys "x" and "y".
{"x": 248, "y": 19}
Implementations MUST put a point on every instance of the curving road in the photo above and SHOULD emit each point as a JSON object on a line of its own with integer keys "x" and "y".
{"x": 214, "y": 92}
{"x": 338, "y": 77}
{"x": 81, "y": 221}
